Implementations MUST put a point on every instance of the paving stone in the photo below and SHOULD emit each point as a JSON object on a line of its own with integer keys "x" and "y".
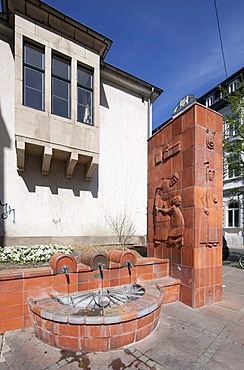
{"x": 118, "y": 359}
{"x": 62, "y": 363}
{"x": 237, "y": 334}
{"x": 53, "y": 367}
{"x": 212, "y": 324}
{"x": 6, "y": 348}
{"x": 230, "y": 358}
{"x": 2, "y": 359}
{"x": 71, "y": 366}
{"x": 159, "y": 367}
{"x": 209, "y": 354}
{"x": 172, "y": 355}
{"x": 214, "y": 365}
{"x": 137, "y": 353}
{"x": 137, "y": 364}
{"x": 4, "y": 366}
{"x": 143, "y": 358}
{"x": 151, "y": 363}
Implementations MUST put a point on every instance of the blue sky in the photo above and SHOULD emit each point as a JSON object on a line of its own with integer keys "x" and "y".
{"x": 173, "y": 44}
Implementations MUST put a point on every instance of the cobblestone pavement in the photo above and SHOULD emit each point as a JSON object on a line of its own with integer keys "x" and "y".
{"x": 211, "y": 337}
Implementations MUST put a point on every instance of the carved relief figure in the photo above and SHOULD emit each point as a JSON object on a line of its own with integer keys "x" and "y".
{"x": 177, "y": 223}
{"x": 210, "y": 139}
{"x": 162, "y": 201}
{"x": 209, "y": 202}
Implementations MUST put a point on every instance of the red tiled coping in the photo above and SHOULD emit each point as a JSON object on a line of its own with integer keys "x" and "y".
{"x": 69, "y": 329}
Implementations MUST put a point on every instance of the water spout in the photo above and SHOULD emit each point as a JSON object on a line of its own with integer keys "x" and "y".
{"x": 65, "y": 270}
{"x": 101, "y": 269}
{"x": 129, "y": 265}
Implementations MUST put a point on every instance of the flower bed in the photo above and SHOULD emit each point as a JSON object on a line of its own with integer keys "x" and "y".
{"x": 24, "y": 255}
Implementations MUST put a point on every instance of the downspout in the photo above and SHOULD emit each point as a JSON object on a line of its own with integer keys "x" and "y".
{"x": 149, "y": 117}
{"x": 149, "y": 132}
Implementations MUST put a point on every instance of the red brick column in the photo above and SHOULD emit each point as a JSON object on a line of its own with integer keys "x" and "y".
{"x": 185, "y": 160}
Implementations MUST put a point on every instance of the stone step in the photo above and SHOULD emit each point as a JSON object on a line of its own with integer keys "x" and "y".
{"x": 170, "y": 288}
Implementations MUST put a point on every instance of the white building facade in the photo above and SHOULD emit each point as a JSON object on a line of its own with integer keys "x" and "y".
{"x": 233, "y": 196}
{"x": 73, "y": 132}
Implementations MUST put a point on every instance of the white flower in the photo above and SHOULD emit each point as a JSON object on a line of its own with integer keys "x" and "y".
{"x": 34, "y": 253}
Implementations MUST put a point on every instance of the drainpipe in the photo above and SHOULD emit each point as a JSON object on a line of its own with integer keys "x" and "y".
{"x": 149, "y": 118}
{"x": 149, "y": 132}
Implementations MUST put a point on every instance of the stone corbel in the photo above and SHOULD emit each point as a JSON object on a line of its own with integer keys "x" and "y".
{"x": 20, "y": 150}
{"x": 46, "y": 160}
{"x": 90, "y": 168}
{"x": 70, "y": 165}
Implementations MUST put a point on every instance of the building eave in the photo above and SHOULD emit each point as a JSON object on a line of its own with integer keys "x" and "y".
{"x": 130, "y": 82}
{"x": 58, "y": 22}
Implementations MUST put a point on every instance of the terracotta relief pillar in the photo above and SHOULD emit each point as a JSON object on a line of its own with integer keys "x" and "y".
{"x": 185, "y": 202}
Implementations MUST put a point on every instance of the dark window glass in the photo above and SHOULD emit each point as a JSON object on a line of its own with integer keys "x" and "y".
{"x": 230, "y": 220}
{"x": 61, "y": 86}
{"x": 33, "y": 98}
{"x": 61, "y": 68}
{"x": 84, "y": 78}
{"x": 236, "y": 218}
{"x": 233, "y": 215}
{"x": 60, "y": 106}
{"x": 84, "y": 96}
{"x": 60, "y": 89}
{"x": 34, "y": 57}
{"x": 33, "y": 77}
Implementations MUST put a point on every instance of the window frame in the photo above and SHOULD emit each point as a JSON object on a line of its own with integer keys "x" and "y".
{"x": 232, "y": 173}
{"x": 41, "y": 48}
{"x": 209, "y": 101}
{"x": 67, "y": 60}
{"x": 233, "y": 85}
{"x": 233, "y": 214}
{"x": 87, "y": 89}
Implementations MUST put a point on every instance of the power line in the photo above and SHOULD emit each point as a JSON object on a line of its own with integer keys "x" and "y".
{"x": 220, "y": 38}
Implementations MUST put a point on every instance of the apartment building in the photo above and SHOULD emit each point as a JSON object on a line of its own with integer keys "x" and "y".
{"x": 233, "y": 197}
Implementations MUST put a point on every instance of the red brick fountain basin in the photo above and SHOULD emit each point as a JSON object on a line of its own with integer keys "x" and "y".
{"x": 107, "y": 328}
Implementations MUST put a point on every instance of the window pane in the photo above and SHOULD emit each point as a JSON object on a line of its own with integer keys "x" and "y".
{"x": 84, "y": 97}
{"x": 84, "y": 106}
{"x": 33, "y": 98}
{"x": 236, "y": 218}
{"x": 234, "y": 205}
{"x": 84, "y": 114}
{"x": 60, "y": 107}
{"x": 84, "y": 78}
{"x": 61, "y": 68}
{"x": 230, "y": 222}
{"x": 34, "y": 56}
{"x": 33, "y": 78}
{"x": 60, "y": 88}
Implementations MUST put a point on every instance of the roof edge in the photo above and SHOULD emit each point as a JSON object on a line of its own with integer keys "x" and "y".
{"x": 128, "y": 80}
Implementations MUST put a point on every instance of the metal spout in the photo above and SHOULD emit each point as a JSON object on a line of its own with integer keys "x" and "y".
{"x": 129, "y": 265}
{"x": 101, "y": 269}
{"x": 65, "y": 270}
